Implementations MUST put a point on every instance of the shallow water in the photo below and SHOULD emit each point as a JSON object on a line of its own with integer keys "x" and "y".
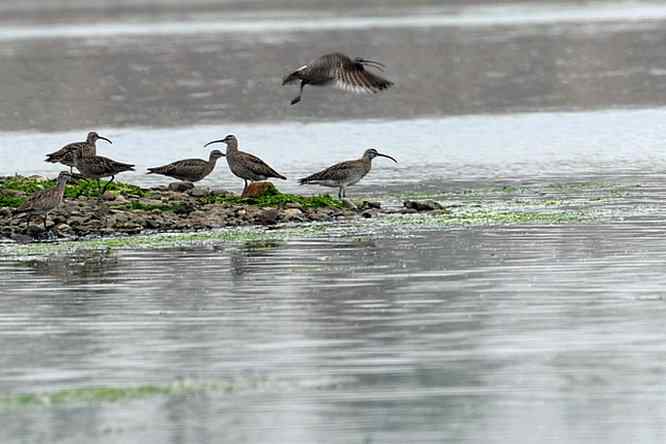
{"x": 482, "y": 334}
{"x": 396, "y": 332}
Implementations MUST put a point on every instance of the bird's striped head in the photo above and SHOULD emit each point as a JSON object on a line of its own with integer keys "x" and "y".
{"x": 216, "y": 154}
{"x": 230, "y": 140}
{"x": 372, "y": 153}
{"x": 64, "y": 176}
{"x": 94, "y": 137}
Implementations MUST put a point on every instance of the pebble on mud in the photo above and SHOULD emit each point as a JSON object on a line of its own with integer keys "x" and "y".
{"x": 425, "y": 205}
{"x": 180, "y": 187}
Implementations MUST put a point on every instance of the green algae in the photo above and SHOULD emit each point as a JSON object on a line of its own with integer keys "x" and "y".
{"x": 107, "y": 394}
{"x": 89, "y": 188}
{"x": 265, "y": 238}
{"x": 142, "y": 206}
{"x": 484, "y": 217}
{"x": 160, "y": 241}
{"x": 80, "y": 188}
{"x": 12, "y": 201}
{"x": 274, "y": 198}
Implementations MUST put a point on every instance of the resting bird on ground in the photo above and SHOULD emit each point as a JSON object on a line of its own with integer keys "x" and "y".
{"x": 65, "y": 155}
{"x": 189, "y": 170}
{"x": 245, "y": 165}
{"x": 344, "y": 174}
{"x": 348, "y": 74}
{"x": 44, "y": 201}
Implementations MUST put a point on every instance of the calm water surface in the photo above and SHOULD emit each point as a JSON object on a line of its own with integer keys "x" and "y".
{"x": 379, "y": 334}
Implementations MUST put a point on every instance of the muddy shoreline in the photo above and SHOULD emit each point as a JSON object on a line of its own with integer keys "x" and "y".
{"x": 129, "y": 210}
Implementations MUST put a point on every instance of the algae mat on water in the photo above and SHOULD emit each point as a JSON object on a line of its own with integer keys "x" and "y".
{"x": 483, "y": 205}
{"x": 388, "y": 224}
{"x": 181, "y": 387}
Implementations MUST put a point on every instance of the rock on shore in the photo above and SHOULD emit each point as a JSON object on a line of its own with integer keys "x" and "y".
{"x": 175, "y": 208}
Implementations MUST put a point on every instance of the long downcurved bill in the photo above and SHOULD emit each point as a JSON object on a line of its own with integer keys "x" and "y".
{"x": 387, "y": 156}
{"x": 104, "y": 138}
{"x": 214, "y": 141}
{"x": 377, "y": 65}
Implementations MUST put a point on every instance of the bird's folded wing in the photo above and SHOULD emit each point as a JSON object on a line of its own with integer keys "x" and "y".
{"x": 339, "y": 171}
{"x": 258, "y": 166}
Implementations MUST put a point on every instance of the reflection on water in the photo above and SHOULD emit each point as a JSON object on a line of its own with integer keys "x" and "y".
{"x": 439, "y": 334}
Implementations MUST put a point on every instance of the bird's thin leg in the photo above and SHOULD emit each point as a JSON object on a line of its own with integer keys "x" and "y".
{"x": 340, "y": 193}
{"x": 244, "y": 187}
{"x": 300, "y": 93}
{"x": 107, "y": 184}
{"x": 45, "y": 217}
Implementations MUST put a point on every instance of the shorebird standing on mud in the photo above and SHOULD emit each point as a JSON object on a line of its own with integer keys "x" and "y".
{"x": 65, "y": 155}
{"x": 189, "y": 170}
{"x": 245, "y": 165}
{"x": 44, "y": 201}
{"x": 97, "y": 167}
{"x": 344, "y": 174}
{"x": 347, "y": 73}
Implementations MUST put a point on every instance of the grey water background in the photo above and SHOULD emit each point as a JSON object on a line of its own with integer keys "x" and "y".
{"x": 484, "y": 334}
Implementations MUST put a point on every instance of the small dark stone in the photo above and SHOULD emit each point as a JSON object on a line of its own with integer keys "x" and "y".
{"x": 367, "y": 205}
{"x": 184, "y": 209}
{"x": 198, "y": 192}
{"x": 180, "y": 187}
{"x": 268, "y": 216}
{"x": 426, "y": 205}
{"x": 367, "y": 214}
{"x": 347, "y": 203}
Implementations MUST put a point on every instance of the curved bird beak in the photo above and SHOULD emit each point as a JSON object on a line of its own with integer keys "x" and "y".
{"x": 375, "y": 64}
{"x": 387, "y": 156}
{"x": 214, "y": 141}
{"x": 104, "y": 138}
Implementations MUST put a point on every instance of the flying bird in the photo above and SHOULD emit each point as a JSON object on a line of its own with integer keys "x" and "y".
{"x": 342, "y": 71}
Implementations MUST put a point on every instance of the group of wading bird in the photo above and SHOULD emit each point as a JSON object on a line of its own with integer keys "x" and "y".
{"x": 337, "y": 69}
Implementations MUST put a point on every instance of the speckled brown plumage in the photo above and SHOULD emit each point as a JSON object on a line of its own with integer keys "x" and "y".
{"x": 346, "y": 73}
{"x": 44, "y": 201}
{"x": 245, "y": 165}
{"x": 189, "y": 170}
{"x": 97, "y": 167}
{"x": 65, "y": 155}
{"x": 344, "y": 174}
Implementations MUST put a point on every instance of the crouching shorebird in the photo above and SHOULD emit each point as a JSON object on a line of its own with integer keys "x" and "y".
{"x": 65, "y": 155}
{"x": 189, "y": 170}
{"x": 245, "y": 165}
{"x": 97, "y": 167}
{"x": 44, "y": 201}
{"x": 344, "y": 174}
{"x": 347, "y": 73}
